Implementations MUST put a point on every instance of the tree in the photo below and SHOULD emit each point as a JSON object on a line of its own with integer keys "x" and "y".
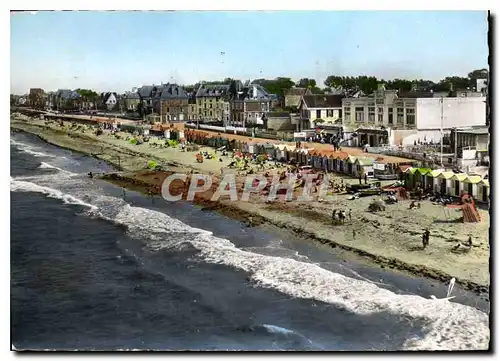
{"x": 399, "y": 84}
{"x": 479, "y": 74}
{"x": 306, "y": 83}
{"x": 276, "y": 86}
{"x": 456, "y": 81}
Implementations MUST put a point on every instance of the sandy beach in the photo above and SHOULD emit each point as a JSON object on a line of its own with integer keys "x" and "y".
{"x": 391, "y": 238}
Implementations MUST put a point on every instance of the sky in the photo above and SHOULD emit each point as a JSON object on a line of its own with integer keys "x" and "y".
{"x": 115, "y": 51}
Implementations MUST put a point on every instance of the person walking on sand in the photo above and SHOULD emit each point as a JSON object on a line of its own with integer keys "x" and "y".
{"x": 350, "y": 214}
{"x": 427, "y": 235}
{"x": 366, "y": 178}
{"x": 360, "y": 178}
{"x": 424, "y": 241}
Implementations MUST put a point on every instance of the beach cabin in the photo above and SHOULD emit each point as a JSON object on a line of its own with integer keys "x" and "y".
{"x": 421, "y": 177}
{"x": 444, "y": 182}
{"x": 483, "y": 191}
{"x": 364, "y": 165}
{"x": 470, "y": 185}
{"x": 349, "y": 162}
{"x": 457, "y": 184}
{"x": 436, "y": 182}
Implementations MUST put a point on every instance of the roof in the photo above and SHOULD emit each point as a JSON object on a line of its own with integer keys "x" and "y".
{"x": 481, "y": 130}
{"x": 446, "y": 175}
{"x": 351, "y": 159}
{"x": 459, "y": 177}
{"x": 365, "y": 161}
{"x": 212, "y": 90}
{"x": 130, "y": 95}
{"x": 67, "y": 94}
{"x": 474, "y": 179}
{"x": 296, "y": 91}
{"x": 172, "y": 91}
{"x": 435, "y": 173}
{"x": 145, "y": 91}
{"x": 323, "y": 100}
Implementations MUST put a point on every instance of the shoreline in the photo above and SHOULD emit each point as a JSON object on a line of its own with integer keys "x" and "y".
{"x": 306, "y": 223}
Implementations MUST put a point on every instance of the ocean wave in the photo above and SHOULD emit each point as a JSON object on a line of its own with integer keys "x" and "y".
{"x": 29, "y": 149}
{"x": 450, "y": 326}
{"x": 25, "y": 186}
{"x": 44, "y": 165}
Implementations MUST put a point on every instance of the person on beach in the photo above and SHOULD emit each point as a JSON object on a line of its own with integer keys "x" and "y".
{"x": 360, "y": 178}
{"x": 469, "y": 242}
{"x": 426, "y": 236}
{"x": 424, "y": 241}
{"x": 366, "y": 178}
{"x": 350, "y": 214}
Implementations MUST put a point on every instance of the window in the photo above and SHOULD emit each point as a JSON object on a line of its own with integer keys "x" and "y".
{"x": 391, "y": 116}
{"x": 210, "y": 112}
{"x": 360, "y": 114}
{"x": 318, "y": 114}
{"x": 347, "y": 114}
{"x": 410, "y": 116}
{"x": 329, "y": 113}
{"x": 371, "y": 114}
{"x": 210, "y": 105}
{"x": 400, "y": 115}
{"x": 380, "y": 115}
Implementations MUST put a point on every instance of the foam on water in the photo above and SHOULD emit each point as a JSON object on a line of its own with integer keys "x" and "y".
{"x": 29, "y": 149}
{"x": 450, "y": 326}
{"x": 25, "y": 186}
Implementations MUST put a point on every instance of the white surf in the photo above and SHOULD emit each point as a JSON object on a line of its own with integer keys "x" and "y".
{"x": 451, "y": 326}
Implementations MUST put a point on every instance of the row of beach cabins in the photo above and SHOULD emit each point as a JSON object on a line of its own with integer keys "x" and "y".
{"x": 446, "y": 182}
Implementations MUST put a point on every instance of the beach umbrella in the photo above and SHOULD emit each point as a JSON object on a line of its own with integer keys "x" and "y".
{"x": 151, "y": 164}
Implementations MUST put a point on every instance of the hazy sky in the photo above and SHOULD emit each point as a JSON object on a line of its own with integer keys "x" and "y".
{"x": 116, "y": 51}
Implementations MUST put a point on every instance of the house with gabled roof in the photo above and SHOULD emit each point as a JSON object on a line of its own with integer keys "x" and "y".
{"x": 171, "y": 103}
{"x": 249, "y": 105}
{"x": 293, "y": 96}
{"x": 67, "y": 99}
{"x": 212, "y": 101}
{"x": 317, "y": 109}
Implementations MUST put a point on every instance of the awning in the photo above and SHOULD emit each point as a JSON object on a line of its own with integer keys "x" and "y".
{"x": 435, "y": 173}
{"x": 474, "y": 179}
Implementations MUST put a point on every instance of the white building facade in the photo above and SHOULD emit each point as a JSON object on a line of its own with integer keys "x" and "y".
{"x": 411, "y": 119}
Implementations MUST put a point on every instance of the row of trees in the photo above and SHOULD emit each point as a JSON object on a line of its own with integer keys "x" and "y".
{"x": 367, "y": 84}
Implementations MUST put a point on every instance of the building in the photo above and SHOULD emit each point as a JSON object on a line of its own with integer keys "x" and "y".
{"x": 66, "y": 99}
{"x": 471, "y": 146}
{"x": 130, "y": 101}
{"x": 171, "y": 103}
{"x": 109, "y": 101}
{"x": 249, "y": 105}
{"x": 318, "y": 109}
{"x": 37, "y": 98}
{"x": 146, "y": 94}
{"x": 212, "y": 101}
{"x": 411, "y": 117}
{"x": 294, "y": 95}
{"x": 192, "y": 107}
{"x": 279, "y": 121}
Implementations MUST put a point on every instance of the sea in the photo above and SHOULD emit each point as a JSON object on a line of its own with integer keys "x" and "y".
{"x": 97, "y": 267}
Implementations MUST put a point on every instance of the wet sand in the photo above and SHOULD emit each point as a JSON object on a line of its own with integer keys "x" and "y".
{"x": 391, "y": 238}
